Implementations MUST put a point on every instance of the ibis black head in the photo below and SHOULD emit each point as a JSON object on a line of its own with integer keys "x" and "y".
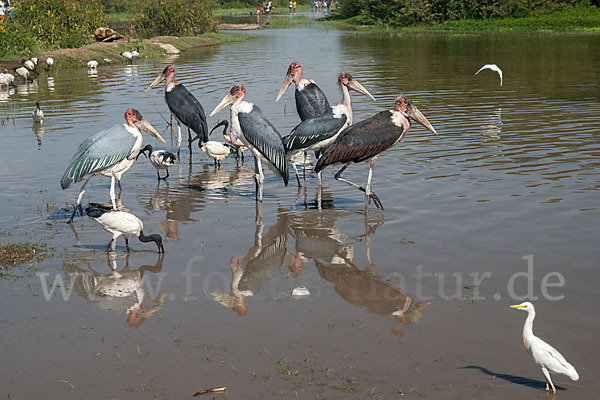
{"x": 147, "y": 148}
{"x": 152, "y": 238}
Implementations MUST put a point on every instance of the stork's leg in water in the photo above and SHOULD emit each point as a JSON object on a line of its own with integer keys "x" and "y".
{"x": 258, "y": 178}
{"x": 190, "y": 141}
{"x": 78, "y": 204}
{"x": 178, "y": 138}
{"x": 113, "y": 197}
{"x": 295, "y": 171}
{"x": 371, "y": 195}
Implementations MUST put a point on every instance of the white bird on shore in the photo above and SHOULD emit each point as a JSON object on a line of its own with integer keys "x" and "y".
{"x": 49, "y": 62}
{"x": 160, "y": 159}
{"x": 546, "y": 356}
{"x": 493, "y": 67}
{"x": 121, "y": 223}
{"x": 34, "y": 60}
{"x": 92, "y": 64}
{"x": 38, "y": 114}
{"x": 28, "y": 64}
{"x": 128, "y": 56}
{"x": 217, "y": 150}
{"x": 6, "y": 78}
{"x": 135, "y": 53}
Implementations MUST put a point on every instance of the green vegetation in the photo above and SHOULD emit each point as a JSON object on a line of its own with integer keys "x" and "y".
{"x": 40, "y": 25}
{"x": 470, "y": 14}
{"x": 172, "y": 17}
{"x": 12, "y": 254}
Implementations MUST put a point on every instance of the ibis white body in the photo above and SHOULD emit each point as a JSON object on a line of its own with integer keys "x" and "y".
{"x": 216, "y": 150}
{"x": 6, "y": 79}
{"x": 37, "y": 114}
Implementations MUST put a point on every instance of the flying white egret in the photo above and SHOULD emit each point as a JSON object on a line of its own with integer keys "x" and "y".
{"x": 121, "y": 223}
{"x": 38, "y": 114}
{"x": 493, "y": 67}
{"x": 546, "y": 356}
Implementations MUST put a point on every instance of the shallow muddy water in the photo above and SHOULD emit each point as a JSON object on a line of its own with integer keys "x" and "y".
{"x": 413, "y": 300}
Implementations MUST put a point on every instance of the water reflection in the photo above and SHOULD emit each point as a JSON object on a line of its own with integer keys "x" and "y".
{"x": 38, "y": 131}
{"x": 122, "y": 291}
{"x": 317, "y": 239}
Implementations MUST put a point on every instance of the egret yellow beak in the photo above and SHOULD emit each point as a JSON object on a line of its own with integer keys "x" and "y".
{"x": 518, "y": 306}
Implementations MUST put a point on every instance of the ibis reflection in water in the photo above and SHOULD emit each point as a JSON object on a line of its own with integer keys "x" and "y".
{"x": 365, "y": 140}
{"x": 110, "y": 152}
{"x": 319, "y": 132}
{"x": 184, "y": 106}
{"x": 249, "y": 124}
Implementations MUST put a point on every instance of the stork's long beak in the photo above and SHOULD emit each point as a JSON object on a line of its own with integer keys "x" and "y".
{"x": 161, "y": 77}
{"x": 353, "y": 84}
{"x": 287, "y": 81}
{"x": 518, "y": 306}
{"x": 227, "y": 100}
{"x": 415, "y": 114}
{"x": 146, "y": 127}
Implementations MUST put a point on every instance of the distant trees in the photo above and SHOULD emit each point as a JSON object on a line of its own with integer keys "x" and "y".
{"x": 412, "y": 12}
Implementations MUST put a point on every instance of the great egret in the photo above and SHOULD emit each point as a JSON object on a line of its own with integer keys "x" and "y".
{"x": 493, "y": 67}
{"x": 546, "y": 356}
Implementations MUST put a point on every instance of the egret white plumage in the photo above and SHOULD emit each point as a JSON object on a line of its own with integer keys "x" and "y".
{"x": 310, "y": 99}
{"x": 128, "y": 56}
{"x": 366, "y": 139}
{"x": 184, "y": 106}
{"x": 37, "y": 114}
{"x": 160, "y": 159}
{"x": 545, "y": 356}
{"x": 121, "y": 223}
{"x": 319, "y": 132}
{"x": 256, "y": 132}
{"x": 92, "y": 64}
{"x": 492, "y": 67}
{"x": 107, "y": 152}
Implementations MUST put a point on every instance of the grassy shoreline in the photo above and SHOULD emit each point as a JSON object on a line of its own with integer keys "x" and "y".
{"x": 148, "y": 48}
{"x": 577, "y": 19}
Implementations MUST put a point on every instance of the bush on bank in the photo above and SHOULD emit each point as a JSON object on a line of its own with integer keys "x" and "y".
{"x": 428, "y": 12}
{"x": 173, "y": 17}
{"x": 39, "y": 25}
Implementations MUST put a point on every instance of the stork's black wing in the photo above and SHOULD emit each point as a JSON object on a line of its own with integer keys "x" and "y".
{"x": 315, "y": 130}
{"x": 188, "y": 110}
{"x": 261, "y": 134}
{"x": 362, "y": 141}
{"x": 311, "y": 102}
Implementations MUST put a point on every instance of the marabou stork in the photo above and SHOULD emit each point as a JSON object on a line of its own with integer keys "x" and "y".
{"x": 160, "y": 159}
{"x": 256, "y": 132}
{"x": 365, "y": 140}
{"x": 310, "y": 99}
{"x": 121, "y": 223}
{"x": 108, "y": 151}
{"x": 92, "y": 64}
{"x": 184, "y": 106}
{"x": 319, "y": 132}
{"x": 38, "y": 114}
{"x": 231, "y": 139}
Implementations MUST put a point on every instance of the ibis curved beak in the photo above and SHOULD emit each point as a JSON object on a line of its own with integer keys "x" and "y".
{"x": 415, "y": 114}
{"x": 161, "y": 77}
{"x": 145, "y": 126}
{"x": 353, "y": 84}
{"x": 227, "y": 100}
{"x": 287, "y": 81}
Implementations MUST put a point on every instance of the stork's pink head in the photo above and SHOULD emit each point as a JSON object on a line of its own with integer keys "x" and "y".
{"x": 135, "y": 120}
{"x": 295, "y": 72}
{"x": 238, "y": 91}
{"x": 132, "y": 115}
{"x": 169, "y": 73}
{"x": 406, "y": 107}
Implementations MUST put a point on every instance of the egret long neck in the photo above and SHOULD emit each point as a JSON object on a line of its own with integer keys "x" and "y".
{"x": 528, "y": 330}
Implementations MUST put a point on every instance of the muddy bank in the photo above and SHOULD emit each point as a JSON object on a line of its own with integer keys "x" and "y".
{"x": 106, "y": 53}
